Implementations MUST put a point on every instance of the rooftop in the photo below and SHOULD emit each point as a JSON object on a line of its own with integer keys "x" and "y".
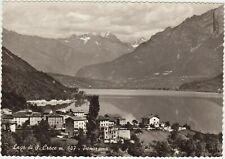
{"x": 76, "y": 118}
{"x": 151, "y": 116}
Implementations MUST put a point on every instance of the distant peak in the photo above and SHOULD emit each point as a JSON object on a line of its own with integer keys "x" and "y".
{"x": 139, "y": 41}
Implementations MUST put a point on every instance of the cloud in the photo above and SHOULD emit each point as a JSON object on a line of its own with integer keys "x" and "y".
{"x": 127, "y": 21}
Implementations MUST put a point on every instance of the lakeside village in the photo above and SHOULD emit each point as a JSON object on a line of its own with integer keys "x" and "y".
{"x": 109, "y": 135}
{"x": 113, "y": 128}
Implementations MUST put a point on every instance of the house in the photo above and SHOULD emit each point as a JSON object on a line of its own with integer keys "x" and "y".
{"x": 35, "y": 118}
{"x": 124, "y": 134}
{"x": 111, "y": 134}
{"x": 165, "y": 127}
{"x": 27, "y": 111}
{"x": 21, "y": 117}
{"x": 48, "y": 111}
{"x": 7, "y": 118}
{"x": 8, "y": 123}
{"x": 55, "y": 120}
{"x": 79, "y": 113}
{"x": 74, "y": 123}
{"x": 6, "y": 111}
{"x": 105, "y": 122}
{"x": 151, "y": 121}
{"x": 121, "y": 121}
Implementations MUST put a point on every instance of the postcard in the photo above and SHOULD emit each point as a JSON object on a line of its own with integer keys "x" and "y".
{"x": 121, "y": 79}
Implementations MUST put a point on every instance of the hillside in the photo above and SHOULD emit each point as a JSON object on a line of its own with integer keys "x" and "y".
{"x": 150, "y": 136}
{"x": 21, "y": 79}
{"x": 65, "y": 55}
{"x": 213, "y": 85}
{"x": 78, "y": 82}
{"x": 190, "y": 51}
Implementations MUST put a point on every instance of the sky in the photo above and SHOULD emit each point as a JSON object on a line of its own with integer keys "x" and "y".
{"x": 128, "y": 21}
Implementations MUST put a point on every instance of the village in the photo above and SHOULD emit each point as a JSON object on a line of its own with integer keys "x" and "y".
{"x": 112, "y": 128}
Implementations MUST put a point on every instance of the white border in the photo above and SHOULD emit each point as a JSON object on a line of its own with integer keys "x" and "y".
{"x": 111, "y": 1}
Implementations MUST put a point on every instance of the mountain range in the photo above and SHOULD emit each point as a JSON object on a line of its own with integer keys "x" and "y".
{"x": 65, "y": 55}
{"x": 191, "y": 51}
{"x": 20, "y": 79}
{"x": 209, "y": 85}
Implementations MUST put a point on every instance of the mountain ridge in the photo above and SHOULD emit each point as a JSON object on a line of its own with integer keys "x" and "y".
{"x": 23, "y": 80}
{"x": 190, "y": 51}
{"x": 64, "y": 55}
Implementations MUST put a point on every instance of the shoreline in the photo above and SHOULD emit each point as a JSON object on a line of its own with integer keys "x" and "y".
{"x": 144, "y": 92}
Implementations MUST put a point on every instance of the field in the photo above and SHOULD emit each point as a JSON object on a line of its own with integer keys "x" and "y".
{"x": 63, "y": 141}
{"x": 150, "y": 136}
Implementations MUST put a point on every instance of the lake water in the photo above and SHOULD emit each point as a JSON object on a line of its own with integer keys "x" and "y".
{"x": 202, "y": 111}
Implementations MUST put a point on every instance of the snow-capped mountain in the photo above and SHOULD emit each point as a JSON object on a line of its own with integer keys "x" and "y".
{"x": 190, "y": 51}
{"x": 137, "y": 42}
{"x": 65, "y": 55}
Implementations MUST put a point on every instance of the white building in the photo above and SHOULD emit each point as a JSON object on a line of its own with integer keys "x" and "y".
{"x": 114, "y": 134}
{"x": 74, "y": 123}
{"x": 8, "y": 123}
{"x": 106, "y": 123}
{"x": 35, "y": 118}
{"x": 111, "y": 134}
{"x": 20, "y": 118}
{"x": 124, "y": 134}
{"x": 151, "y": 121}
{"x": 6, "y": 111}
{"x": 79, "y": 113}
{"x": 122, "y": 121}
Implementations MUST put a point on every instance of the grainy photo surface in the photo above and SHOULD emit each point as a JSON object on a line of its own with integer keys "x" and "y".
{"x": 112, "y": 79}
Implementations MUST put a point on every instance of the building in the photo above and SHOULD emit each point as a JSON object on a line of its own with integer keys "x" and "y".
{"x": 21, "y": 117}
{"x": 35, "y": 118}
{"x": 55, "y": 120}
{"x": 124, "y": 134}
{"x": 105, "y": 122}
{"x": 48, "y": 111}
{"x": 8, "y": 123}
{"x": 74, "y": 123}
{"x": 79, "y": 113}
{"x": 151, "y": 121}
{"x": 6, "y": 111}
{"x": 121, "y": 121}
{"x": 111, "y": 134}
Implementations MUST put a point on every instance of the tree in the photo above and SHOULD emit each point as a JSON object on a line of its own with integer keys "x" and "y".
{"x": 220, "y": 137}
{"x": 136, "y": 148}
{"x": 106, "y": 115}
{"x": 80, "y": 97}
{"x": 188, "y": 127}
{"x": 175, "y": 126}
{"x": 41, "y": 132}
{"x": 7, "y": 144}
{"x": 212, "y": 144}
{"x": 92, "y": 125}
{"x": 200, "y": 149}
{"x": 198, "y": 136}
{"x": 30, "y": 141}
{"x": 141, "y": 125}
{"x": 190, "y": 147}
{"x": 162, "y": 149}
{"x": 82, "y": 141}
{"x": 25, "y": 124}
{"x": 167, "y": 123}
{"x": 135, "y": 122}
{"x": 128, "y": 125}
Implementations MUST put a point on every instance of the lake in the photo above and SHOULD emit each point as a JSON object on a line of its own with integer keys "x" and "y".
{"x": 202, "y": 111}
